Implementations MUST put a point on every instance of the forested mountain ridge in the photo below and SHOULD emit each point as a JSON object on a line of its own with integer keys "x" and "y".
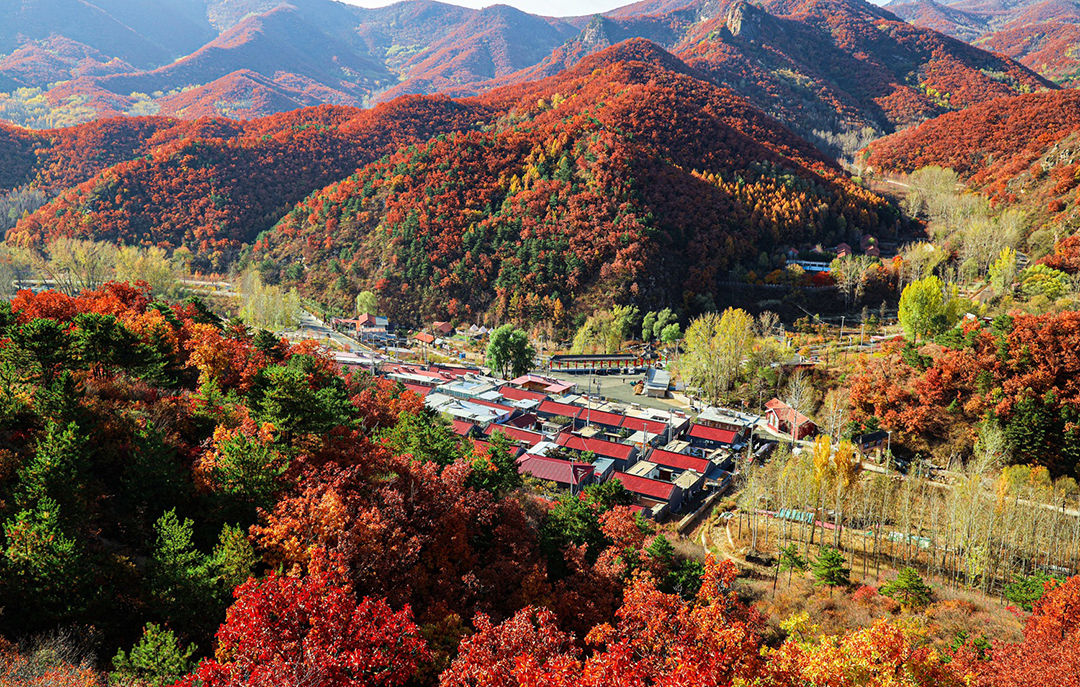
{"x": 1020, "y": 151}
{"x": 590, "y": 184}
{"x": 1041, "y": 35}
{"x": 210, "y": 184}
{"x": 828, "y": 66}
{"x": 624, "y": 179}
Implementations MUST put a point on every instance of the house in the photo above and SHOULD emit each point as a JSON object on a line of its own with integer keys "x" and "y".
{"x": 655, "y": 430}
{"x": 417, "y": 389}
{"x": 784, "y": 419}
{"x": 372, "y": 324}
{"x": 609, "y": 422}
{"x": 873, "y": 251}
{"x": 442, "y": 328}
{"x": 464, "y": 429}
{"x": 731, "y": 420}
{"x": 672, "y": 465}
{"x": 872, "y": 444}
{"x": 651, "y": 492}
{"x": 843, "y": 250}
{"x": 589, "y": 363}
{"x": 657, "y": 383}
{"x": 564, "y": 473}
{"x": 424, "y": 338}
{"x": 483, "y": 447}
{"x": 711, "y": 438}
{"x": 623, "y": 455}
{"x": 467, "y": 411}
{"x": 470, "y": 388}
{"x": 552, "y": 409}
{"x": 865, "y": 241}
{"x": 512, "y": 393}
{"x": 546, "y": 385}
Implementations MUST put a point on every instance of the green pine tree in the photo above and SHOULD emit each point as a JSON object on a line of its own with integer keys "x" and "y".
{"x": 909, "y": 589}
{"x": 829, "y": 569}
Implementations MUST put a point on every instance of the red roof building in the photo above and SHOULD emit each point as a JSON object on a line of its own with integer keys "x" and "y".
{"x": 710, "y": 437}
{"x": 679, "y": 462}
{"x": 424, "y": 337}
{"x": 553, "y": 409}
{"x": 600, "y": 417}
{"x": 515, "y": 394}
{"x": 462, "y": 428}
{"x": 521, "y": 436}
{"x": 649, "y": 488}
{"x": 562, "y": 472}
{"x": 786, "y": 420}
{"x": 636, "y": 424}
{"x": 622, "y": 454}
{"x": 417, "y": 389}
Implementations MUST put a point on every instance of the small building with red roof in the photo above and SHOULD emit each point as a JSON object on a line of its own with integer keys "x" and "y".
{"x": 710, "y": 438}
{"x": 786, "y": 420}
{"x": 651, "y": 492}
{"x": 622, "y": 455}
{"x": 564, "y": 473}
{"x": 523, "y": 437}
{"x": 677, "y": 463}
{"x": 465, "y": 429}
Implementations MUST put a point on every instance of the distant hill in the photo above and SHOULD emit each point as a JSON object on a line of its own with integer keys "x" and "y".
{"x": 818, "y": 65}
{"x": 1044, "y": 35}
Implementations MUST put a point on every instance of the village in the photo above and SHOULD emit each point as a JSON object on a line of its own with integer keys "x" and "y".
{"x": 675, "y": 455}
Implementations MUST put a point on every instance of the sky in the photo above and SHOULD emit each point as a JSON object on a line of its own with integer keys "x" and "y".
{"x": 547, "y": 8}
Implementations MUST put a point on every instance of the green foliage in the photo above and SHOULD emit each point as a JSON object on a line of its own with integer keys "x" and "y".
{"x": 1041, "y": 280}
{"x": 1003, "y": 271}
{"x": 367, "y": 303}
{"x": 426, "y": 436}
{"x": 671, "y": 333}
{"x": 509, "y": 352}
{"x": 248, "y": 470}
{"x": 1025, "y": 591}
{"x": 285, "y": 396}
{"x": 46, "y": 563}
{"x": 157, "y": 659}
{"x": 181, "y": 580}
{"x": 497, "y": 472}
{"x": 232, "y": 561}
{"x": 922, "y": 308}
{"x": 607, "y": 495}
{"x": 909, "y": 589}
{"x": 56, "y": 469}
{"x": 830, "y": 568}
{"x": 792, "y": 560}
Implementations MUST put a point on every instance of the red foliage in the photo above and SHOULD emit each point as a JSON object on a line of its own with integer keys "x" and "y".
{"x": 1049, "y": 653}
{"x": 286, "y": 631}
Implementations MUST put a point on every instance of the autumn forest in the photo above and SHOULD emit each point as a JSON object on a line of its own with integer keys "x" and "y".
{"x": 287, "y": 293}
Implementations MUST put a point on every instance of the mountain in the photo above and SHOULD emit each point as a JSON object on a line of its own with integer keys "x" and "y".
{"x": 819, "y": 65}
{"x": 628, "y": 178}
{"x": 210, "y": 184}
{"x": 1021, "y": 151}
{"x": 1043, "y": 36}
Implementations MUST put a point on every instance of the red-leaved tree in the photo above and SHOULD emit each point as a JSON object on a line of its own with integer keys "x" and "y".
{"x": 309, "y": 631}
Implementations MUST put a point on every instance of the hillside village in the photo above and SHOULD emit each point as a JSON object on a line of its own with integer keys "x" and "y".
{"x": 675, "y": 461}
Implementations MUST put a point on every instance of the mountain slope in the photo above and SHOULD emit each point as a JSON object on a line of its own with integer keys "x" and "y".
{"x": 213, "y": 187}
{"x": 625, "y": 179}
{"x": 1022, "y": 151}
{"x": 277, "y": 44}
{"x": 818, "y": 65}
